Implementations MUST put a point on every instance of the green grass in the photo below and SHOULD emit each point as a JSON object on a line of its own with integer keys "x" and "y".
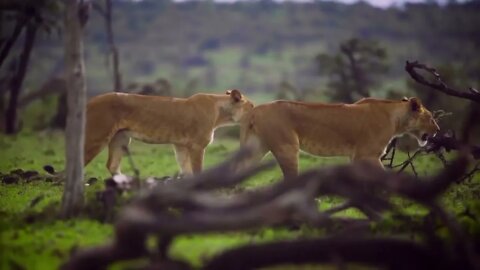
{"x": 31, "y": 237}
{"x": 46, "y": 245}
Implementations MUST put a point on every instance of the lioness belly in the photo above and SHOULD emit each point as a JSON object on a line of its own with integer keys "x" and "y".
{"x": 165, "y": 137}
{"x": 326, "y": 148}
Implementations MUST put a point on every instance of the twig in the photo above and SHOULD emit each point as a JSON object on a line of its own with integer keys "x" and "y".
{"x": 409, "y": 161}
{"x": 471, "y": 173}
{"x": 391, "y": 147}
{"x": 411, "y": 164}
{"x": 136, "y": 171}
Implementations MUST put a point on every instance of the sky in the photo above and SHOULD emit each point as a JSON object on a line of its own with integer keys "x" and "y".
{"x": 376, "y": 3}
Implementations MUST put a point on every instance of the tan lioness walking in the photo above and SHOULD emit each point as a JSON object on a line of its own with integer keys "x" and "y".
{"x": 188, "y": 124}
{"x": 360, "y": 131}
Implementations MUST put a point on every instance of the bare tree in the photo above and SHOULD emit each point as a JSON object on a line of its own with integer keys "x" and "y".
{"x": 16, "y": 83}
{"x": 108, "y": 15}
{"x": 30, "y": 16}
{"x": 72, "y": 200}
{"x": 20, "y": 22}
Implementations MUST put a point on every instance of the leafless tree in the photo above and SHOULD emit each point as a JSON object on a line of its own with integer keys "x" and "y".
{"x": 72, "y": 200}
{"x": 30, "y": 16}
{"x": 107, "y": 14}
{"x": 15, "y": 84}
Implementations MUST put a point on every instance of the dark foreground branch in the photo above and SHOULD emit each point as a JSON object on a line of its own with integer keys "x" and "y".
{"x": 385, "y": 253}
{"x": 439, "y": 85}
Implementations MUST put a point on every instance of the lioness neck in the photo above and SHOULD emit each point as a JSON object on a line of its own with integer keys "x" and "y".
{"x": 399, "y": 116}
{"x": 219, "y": 105}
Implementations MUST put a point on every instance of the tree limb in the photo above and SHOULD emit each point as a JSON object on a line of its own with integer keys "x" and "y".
{"x": 441, "y": 86}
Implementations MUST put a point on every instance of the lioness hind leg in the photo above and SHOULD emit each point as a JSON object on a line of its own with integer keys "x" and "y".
{"x": 287, "y": 158}
{"x": 183, "y": 159}
{"x": 92, "y": 148}
{"x": 100, "y": 128}
{"x": 116, "y": 151}
{"x": 196, "y": 158}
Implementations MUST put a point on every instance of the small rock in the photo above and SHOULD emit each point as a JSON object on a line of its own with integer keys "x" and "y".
{"x": 29, "y": 174}
{"x": 110, "y": 183}
{"x": 10, "y": 179}
{"x": 49, "y": 169}
{"x": 48, "y": 179}
{"x": 92, "y": 180}
{"x": 34, "y": 179}
{"x": 17, "y": 172}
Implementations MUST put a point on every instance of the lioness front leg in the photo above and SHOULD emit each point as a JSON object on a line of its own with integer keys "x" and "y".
{"x": 183, "y": 159}
{"x": 196, "y": 159}
{"x": 116, "y": 151}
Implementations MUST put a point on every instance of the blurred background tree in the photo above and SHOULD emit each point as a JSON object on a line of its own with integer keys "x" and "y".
{"x": 354, "y": 69}
{"x": 26, "y": 17}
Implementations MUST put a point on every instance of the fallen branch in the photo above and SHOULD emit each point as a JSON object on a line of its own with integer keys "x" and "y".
{"x": 375, "y": 252}
{"x": 192, "y": 205}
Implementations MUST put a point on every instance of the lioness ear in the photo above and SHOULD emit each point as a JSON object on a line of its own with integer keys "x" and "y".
{"x": 235, "y": 95}
{"x": 228, "y": 92}
{"x": 415, "y": 104}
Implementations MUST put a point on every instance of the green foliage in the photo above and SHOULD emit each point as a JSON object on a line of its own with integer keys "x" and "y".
{"x": 45, "y": 245}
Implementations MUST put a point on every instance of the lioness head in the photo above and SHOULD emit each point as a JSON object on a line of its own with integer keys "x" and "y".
{"x": 420, "y": 122}
{"x": 239, "y": 105}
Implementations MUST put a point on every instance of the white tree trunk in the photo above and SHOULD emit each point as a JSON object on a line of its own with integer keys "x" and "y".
{"x": 72, "y": 200}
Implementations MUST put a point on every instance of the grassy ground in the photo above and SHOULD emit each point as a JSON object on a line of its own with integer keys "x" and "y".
{"x": 32, "y": 238}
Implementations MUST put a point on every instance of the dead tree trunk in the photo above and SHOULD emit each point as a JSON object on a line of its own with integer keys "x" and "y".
{"x": 106, "y": 13}
{"x": 72, "y": 200}
{"x": 17, "y": 80}
{"x": 117, "y": 77}
{"x": 19, "y": 24}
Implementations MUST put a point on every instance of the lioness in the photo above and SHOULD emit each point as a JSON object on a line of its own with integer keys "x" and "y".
{"x": 188, "y": 124}
{"x": 360, "y": 131}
